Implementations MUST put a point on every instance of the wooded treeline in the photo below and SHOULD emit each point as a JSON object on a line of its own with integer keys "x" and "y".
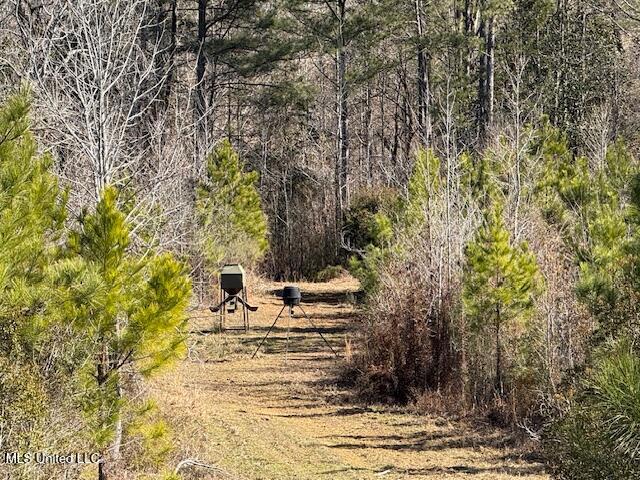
{"x": 323, "y": 99}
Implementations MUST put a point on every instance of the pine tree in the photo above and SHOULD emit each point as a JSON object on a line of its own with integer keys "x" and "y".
{"x": 31, "y": 216}
{"x": 500, "y": 283}
{"x": 595, "y": 206}
{"x": 32, "y": 212}
{"x": 129, "y": 309}
{"x": 340, "y": 29}
{"x": 423, "y": 183}
{"x": 590, "y": 204}
{"x": 233, "y": 226}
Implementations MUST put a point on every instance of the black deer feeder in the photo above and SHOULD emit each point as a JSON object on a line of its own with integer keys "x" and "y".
{"x": 233, "y": 291}
{"x": 291, "y": 298}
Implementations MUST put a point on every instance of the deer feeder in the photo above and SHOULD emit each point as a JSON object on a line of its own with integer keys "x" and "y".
{"x": 233, "y": 291}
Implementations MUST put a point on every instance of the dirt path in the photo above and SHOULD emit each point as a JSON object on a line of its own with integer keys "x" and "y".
{"x": 273, "y": 419}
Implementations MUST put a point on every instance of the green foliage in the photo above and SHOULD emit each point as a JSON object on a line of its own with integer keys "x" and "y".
{"x": 101, "y": 404}
{"x": 31, "y": 216}
{"x": 366, "y": 267}
{"x": 500, "y": 282}
{"x": 32, "y": 211}
{"x": 232, "y": 224}
{"x": 103, "y": 307}
{"x": 368, "y": 220}
{"x": 577, "y": 451}
{"x": 599, "y": 438}
{"x": 614, "y": 391}
{"x": 594, "y": 205}
{"x": 152, "y": 436}
{"x": 499, "y": 277}
{"x": 368, "y": 230}
{"x": 290, "y": 96}
{"x": 591, "y": 206}
{"x": 129, "y": 309}
{"x": 330, "y": 273}
{"x": 478, "y": 177}
{"x": 424, "y": 181}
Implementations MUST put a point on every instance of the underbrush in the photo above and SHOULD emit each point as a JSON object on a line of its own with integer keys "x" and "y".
{"x": 405, "y": 346}
{"x": 331, "y": 272}
{"x": 414, "y": 348}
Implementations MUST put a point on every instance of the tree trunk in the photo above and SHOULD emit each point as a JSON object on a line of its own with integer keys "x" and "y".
{"x": 424, "y": 113}
{"x": 342, "y": 157}
{"x": 482, "y": 86}
{"x": 490, "y": 66}
{"x": 486, "y": 78}
{"x": 101, "y": 378}
{"x": 173, "y": 32}
{"x": 167, "y": 59}
{"x": 368, "y": 136}
{"x": 201, "y": 61}
{"x": 117, "y": 440}
{"x": 498, "y": 382}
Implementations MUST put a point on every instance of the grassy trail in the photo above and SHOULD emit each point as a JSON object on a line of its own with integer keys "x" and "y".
{"x": 282, "y": 416}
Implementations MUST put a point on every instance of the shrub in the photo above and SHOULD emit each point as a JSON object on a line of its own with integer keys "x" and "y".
{"x": 599, "y": 437}
{"x": 366, "y": 267}
{"x": 330, "y": 273}
{"x": 406, "y": 344}
{"x": 368, "y": 220}
{"x": 368, "y": 231}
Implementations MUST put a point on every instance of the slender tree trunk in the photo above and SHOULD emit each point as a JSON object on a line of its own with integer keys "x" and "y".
{"x": 117, "y": 440}
{"x": 342, "y": 157}
{"x": 468, "y": 19}
{"x": 482, "y": 86}
{"x": 368, "y": 136}
{"x": 498, "y": 383}
{"x": 396, "y": 130}
{"x": 407, "y": 120}
{"x": 173, "y": 32}
{"x": 201, "y": 61}
{"x": 166, "y": 36}
{"x": 486, "y": 78}
{"x": 101, "y": 378}
{"x": 490, "y": 66}
{"x": 464, "y": 364}
{"x": 424, "y": 110}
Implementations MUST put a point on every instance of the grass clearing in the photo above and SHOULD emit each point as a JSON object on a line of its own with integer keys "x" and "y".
{"x": 282, "y": 416}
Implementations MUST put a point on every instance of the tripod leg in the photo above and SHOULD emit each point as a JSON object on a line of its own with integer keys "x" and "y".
{"x": 221, "y": 296}
{"x": 270, "y": 328}
{"x": 319, "y": 332}
{"x": 245, "y": 312}
{"x": 286, "y": 352}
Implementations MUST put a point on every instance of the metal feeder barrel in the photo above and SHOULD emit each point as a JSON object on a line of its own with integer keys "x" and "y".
{"x": 232, "y": 279}
{"x": 291, "y": 295}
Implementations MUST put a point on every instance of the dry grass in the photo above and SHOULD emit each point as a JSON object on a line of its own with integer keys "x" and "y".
{"x": 271, "y": 418}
